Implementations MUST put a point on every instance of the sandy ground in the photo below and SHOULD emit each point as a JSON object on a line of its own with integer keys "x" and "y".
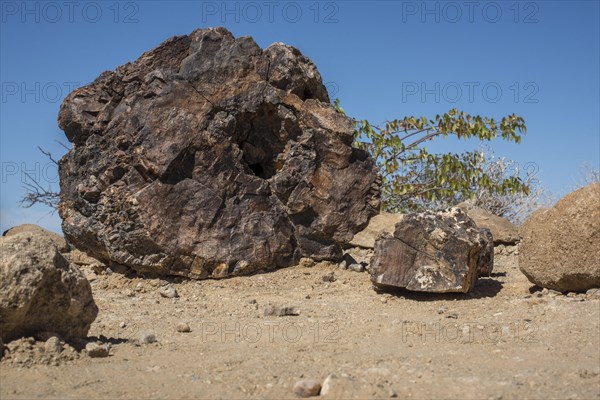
{"x": 505, "y": 340}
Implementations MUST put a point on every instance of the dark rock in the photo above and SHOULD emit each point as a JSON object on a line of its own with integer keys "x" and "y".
{"x": 559, "y": 249}
{"x": 485, "y": 262}
{"x": 40, "y": 291}
{"x": 274, "y": 311}
{"x": 210, "y": 157}
{"x": 429, "y": 252}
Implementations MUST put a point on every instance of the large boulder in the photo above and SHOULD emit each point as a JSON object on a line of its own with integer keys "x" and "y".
{"x": 561, "y": 246}
{"x": 379, "y": 224}
{"x": 40, "y": 291}
{"x": 504, "y": 231}
{"x": 210, "y": 157}
{"x": 430, "y": 252}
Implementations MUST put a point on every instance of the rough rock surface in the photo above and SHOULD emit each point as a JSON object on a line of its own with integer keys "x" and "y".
{"x": 57, "y": 239}
{"x": 210, "y": 157}
{"x": 503, "y": 230}
{"x": 379, "y": 224}
{"x": 485, "y": 262}
{"x": 561, "y": 246}
{"x": 40, "y": 290}
{"x": 430, "y": 252}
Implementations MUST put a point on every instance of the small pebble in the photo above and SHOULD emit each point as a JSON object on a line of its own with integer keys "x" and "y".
{"x": 271, "y": 310}
{"x": 168, "y": 291}
{"x": 53, "y": 345}
{"x": 441, "y": 310}
{"x": 183, "y": 327}
{"x": 122, "y": 324}
{"x": 330, "y": 277}
{"x": 95, "y": 350}
{"x": 307, "y": 262}
{"x": 452, "y": 316}
{"x": 307, "y": 388}
{"x": 356, "y": 267}
{"x": 147, "y": 338}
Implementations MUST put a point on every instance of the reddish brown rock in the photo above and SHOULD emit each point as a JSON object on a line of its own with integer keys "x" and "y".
{"x": 210, "y": 157}
{"x": 430, "y": 252}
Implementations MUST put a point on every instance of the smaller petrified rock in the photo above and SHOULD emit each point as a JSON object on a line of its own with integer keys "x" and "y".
{"x": 95, "y": 350}
{"x": 183, "y": 327}
{"x": 429, "y": 252}
{"x": 307, "y": 388}
{"x": 271, "y": 310}
{"x": 503, "y": 230}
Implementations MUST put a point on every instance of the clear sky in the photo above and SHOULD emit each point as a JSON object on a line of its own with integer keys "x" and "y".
{"x": 384, "y": 60}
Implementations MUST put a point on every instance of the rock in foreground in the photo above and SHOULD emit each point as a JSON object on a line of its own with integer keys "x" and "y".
{"x": 561, "y": 246}
{"x": 210, "y": 157}
{"x": 40, "y": 290}
{"x": 430, "y": 252}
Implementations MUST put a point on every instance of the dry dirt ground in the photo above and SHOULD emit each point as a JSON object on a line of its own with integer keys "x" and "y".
{"x": 505, "y": 340}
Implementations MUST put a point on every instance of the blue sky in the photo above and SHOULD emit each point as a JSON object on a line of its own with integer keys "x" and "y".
{"x": 384, "y": 60}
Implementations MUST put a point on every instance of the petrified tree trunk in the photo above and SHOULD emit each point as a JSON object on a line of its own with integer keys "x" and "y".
{"x": 210, "y": 157}
{"x": 430, "y": 252}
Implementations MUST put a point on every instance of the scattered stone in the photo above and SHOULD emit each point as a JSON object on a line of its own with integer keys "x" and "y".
{"x": 168, "y": 291}
{"x": 183, "y": 327}
{"x": 307, "y": 262}
{"x": 329, "y": 277}
{"x": 441, "y": 310}
{"x": 40, "y": 290}
{"x": 147, "y": 338}
{"x": 327, "y": 385}
{"x": 307, "y": 388}
{"x": 108, "y": 271}
{"x": 545, "y": 291}
{"x": 242, "y": 140}
{"x": 343, "y": 264}
{"x": 429, "y": 252}
{"x": 503, "y": 231}
{"x": 271, "y": 310}
{"x": 559, "y": 246}
{"x": 95, "y": 350}
{"x": 53, "y": 345}
{"x": 356, "y": 267}
{"x": 452, "y": 315}
{"x": 122, "y": 324}
{"x": 379, "y": 224}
